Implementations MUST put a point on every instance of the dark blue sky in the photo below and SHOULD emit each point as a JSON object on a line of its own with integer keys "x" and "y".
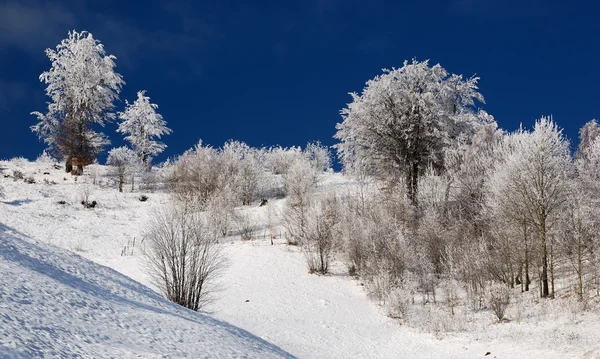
{"x": 278, "y": 72}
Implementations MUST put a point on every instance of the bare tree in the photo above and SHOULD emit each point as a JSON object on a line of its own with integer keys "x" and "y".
{"x": 323, "y": 220}
{"x": 184, "y": 257}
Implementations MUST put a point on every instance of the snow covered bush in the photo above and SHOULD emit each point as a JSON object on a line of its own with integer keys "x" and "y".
{"x": 499, "y": 299}
{"x": 149, "y": 180}
{"x": 321, "y": 234}
{"x": 374, "y": 245}
{"x": 278, "y": 159}
{"x": 221, "y": 213}
{"x": 241, "y": 170}
{"x": 142, "y": 125}
{"x": 45, "y": 158}
{"x": 246, "y": 225}
{"x": 184, "y": 256}
{"x": 195, "y": 175}
{"x": 398, "y": 303}
{"x": 318, "y": 155}
{"x": 123, "y": 164}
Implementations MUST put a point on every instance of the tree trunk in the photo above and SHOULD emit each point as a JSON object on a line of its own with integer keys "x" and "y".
{"x": 79, "y": 170}
{"x": 545, "y": 289}
{"x": 68, "y": 165}
{"x": 412, "y": 182}
{"x": 552, "y": 270}
{"x": 527, "y": 279}
{"x": 579, "y": 259}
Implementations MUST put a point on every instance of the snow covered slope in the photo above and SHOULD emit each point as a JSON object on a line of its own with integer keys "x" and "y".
{"x": 56, "y": 304}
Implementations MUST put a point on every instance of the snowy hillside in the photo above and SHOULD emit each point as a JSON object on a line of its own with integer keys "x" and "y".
{"x": 58, "y": 304}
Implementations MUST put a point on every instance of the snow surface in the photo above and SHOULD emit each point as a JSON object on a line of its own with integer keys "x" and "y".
{"x": 60, "y": 304}
{"x": 57, "y": 304}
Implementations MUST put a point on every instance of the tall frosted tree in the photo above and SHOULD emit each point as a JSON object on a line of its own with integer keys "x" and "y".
{"x": 531, "y": 182}
{"x": 142, "y": 125}
{"x": 83, "y": 86}
{"x": 405, "y": 119}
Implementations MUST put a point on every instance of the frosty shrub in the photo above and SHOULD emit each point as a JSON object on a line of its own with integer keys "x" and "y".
{"x": 45, "y": 159}
{"x": 184, "y": 256}
{"x": 241, "y": 170}
{"x": 398, "y": 303}
{"x": 220, "y": 210}
{"x": 499, "y": 299}
{"x": 195, "y": 176}
{"x": 246, "y": 225}
{"x": 278, "y": 159}
{"x": 300, "y": 179}
{"x": 123, "y": 164}
{"x": 319, "y": 242}
{"x": 149, "y": 181}
{"x": 318, "y": 155}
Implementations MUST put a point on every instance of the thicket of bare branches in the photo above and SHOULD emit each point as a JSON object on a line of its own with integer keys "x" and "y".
{"x": 184, "y": 256}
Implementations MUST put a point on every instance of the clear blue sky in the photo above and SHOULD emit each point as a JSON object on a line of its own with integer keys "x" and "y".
{"x": 278, "y": 72}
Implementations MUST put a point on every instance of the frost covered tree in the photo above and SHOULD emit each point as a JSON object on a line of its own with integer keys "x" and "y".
{"x": 123, "y": 163}
{"x": 318, "y": 155}
{"x": 587, "y": 135}
{"x": 300, "y": 181}
{"x": 585, "y": 203}
{"x": 241, "y": 170}
{"x": 142, "y": 125}
{"x": 82, "y": 85}
{"x": 531, "y": 184}
{"x": 321, "y": 228}
{"x": 404, "y": 119}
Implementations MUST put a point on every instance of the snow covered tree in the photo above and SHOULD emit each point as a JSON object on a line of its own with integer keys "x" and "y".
{"x": 83, "y": 86}
{"x": 123, "y": 162}
{"x": 278, "y": 159}
{"x": 196, "y": 175}
{"x": 241, "y": 170}
{"x": 585, "y": 209}
{"x": 323, "y": 220}
{"x": 404, "y": 119}
{"x": 587, "y": 135}
{"x": 300, "y": 181}
{"x": 142, "y": 125}
{"x": 318, "y": 155}
{"x": 531, "y": 185}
